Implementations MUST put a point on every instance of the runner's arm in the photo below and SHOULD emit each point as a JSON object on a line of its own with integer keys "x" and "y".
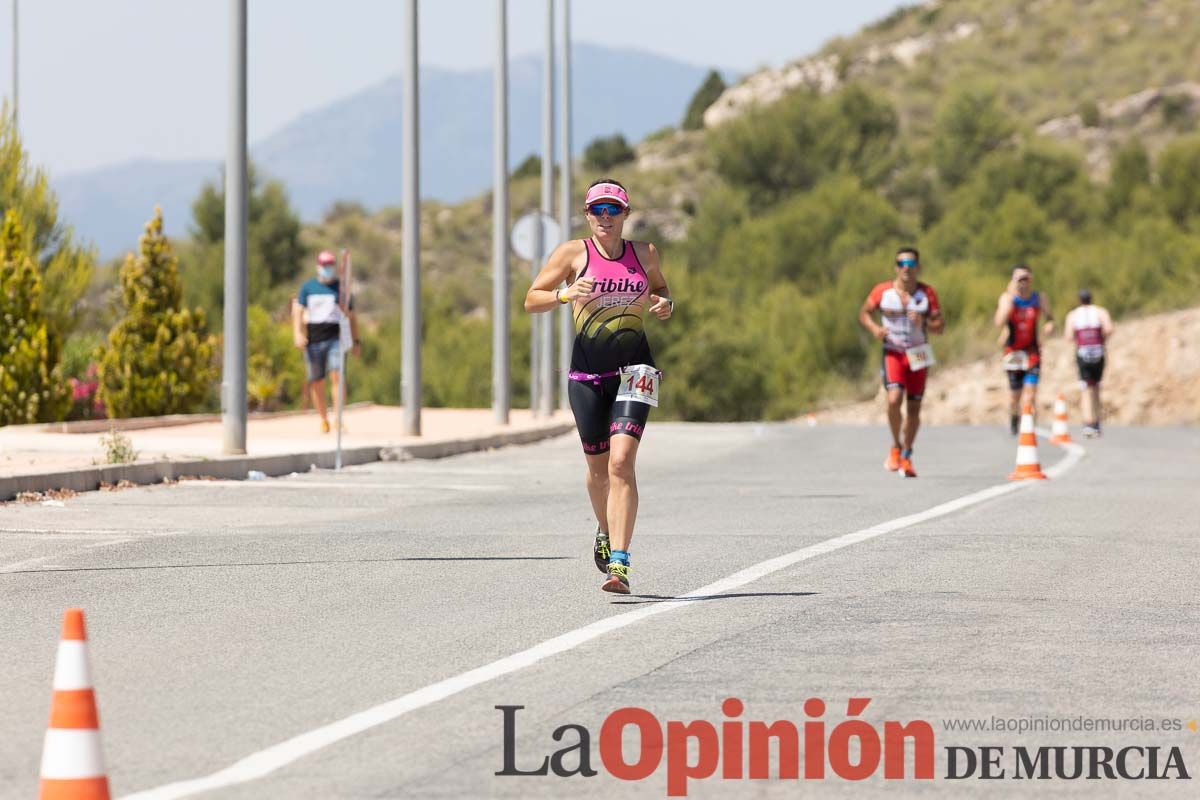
{"x": 1048, "y": 328}
{"x": 936, "y": 323}
{"x": 1069, "y": 326}
{"x": 1003, "y": 309}
{"x": 1106, "y": 323}
{"x": 864, "y": 319}
{"x": 542, "y": 294}
{"x": 298, "y": 336}
{"x": 661, "y": 304}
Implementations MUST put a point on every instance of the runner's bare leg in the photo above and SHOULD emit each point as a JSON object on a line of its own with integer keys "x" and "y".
{"x": 597, "y": 487}
{"x": 912, "y": 421}
{"x": 895, "y": 417}
{"x": 622, "y": 491}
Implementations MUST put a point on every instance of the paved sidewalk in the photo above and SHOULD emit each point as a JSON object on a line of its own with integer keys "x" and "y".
{"x": 288, "y": 442}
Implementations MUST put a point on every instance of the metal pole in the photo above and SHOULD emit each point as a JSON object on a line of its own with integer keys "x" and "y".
{"x": 16, "y": 61}
{"x": 535, "y": 328}
{"x": 566, "y": 324}
{"x": 546, "y": 398}
{"x": 233, "y": 379}
{"x": 501, "y": 386}
{"x": 344, "y": 286}
{"x": 410, "y": 379}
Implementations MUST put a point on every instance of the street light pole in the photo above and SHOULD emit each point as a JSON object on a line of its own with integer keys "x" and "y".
{"x": 501, "y": 388}
{"x": 566, "y": 323}
{"x": 16, "y": 63}
{"x": 410, "y": 222}
{"x": 546, "y": 392}
{"x": 233, "y": 379}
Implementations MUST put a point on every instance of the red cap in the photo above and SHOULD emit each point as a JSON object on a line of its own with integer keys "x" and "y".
{"x": 325, "y": 258}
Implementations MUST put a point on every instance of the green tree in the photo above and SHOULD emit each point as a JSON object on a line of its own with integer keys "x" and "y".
{"x": 531, "y": 167}
{"x": 712, "y": 88}
{"x": 1019, "y": 231}
{"x": 159, "y": 358}
{"x": 808, "y": 237}
{"x": 1130, "y": 172}
{"x": 65, "y": 266}
{"x": 971, "y": 124}
{"x": 605, "y": 152}
{"x": 862, "y": 135}
{"x": 31, "y": 384}
{"x": 772, "y": 151}
{"x": 274, "y": 366}
{"x": 1179, "y": 176}
{"x": 274, "y": 252}
{"x": 792, "y": 144}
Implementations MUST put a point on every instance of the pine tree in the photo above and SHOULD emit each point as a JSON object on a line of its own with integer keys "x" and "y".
{"x": 159, "y": 358}
{"x": 31, "y": 385}
{"x": 712, "y": 88}
{"x": 64, "y": 265}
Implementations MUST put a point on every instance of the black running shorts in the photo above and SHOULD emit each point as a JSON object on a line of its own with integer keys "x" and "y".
{"x": 599, "y": 416}
{"x": 1090, "y": 372}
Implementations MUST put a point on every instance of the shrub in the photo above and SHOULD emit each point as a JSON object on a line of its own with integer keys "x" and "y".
{"x": 1179, "y": 176}
{"x": 159, "y": 358}
{"x": 971, "y": 123}
{"x": 1089, "y": 114}
{"x": 31, "y": 384}
{"x": 607, "y": 152}
{"x": 1130, "y": 171}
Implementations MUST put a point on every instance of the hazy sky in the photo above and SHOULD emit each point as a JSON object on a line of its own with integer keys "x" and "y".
{"x": 103, "y": 82}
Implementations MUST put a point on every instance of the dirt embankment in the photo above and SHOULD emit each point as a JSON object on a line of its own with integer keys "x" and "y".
{"x": 1152, "y": 378}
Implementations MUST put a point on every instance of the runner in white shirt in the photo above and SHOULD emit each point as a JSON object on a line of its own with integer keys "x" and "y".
{"x": 1089, "y": 326}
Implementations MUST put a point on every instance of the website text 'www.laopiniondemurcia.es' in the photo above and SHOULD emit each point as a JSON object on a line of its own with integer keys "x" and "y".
{"x": 737, "y": 747}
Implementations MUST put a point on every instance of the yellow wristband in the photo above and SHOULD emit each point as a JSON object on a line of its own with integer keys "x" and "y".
{"x": 560, "y": 297}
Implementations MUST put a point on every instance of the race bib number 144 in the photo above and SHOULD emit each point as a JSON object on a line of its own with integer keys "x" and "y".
{"x": 639, "y": 383}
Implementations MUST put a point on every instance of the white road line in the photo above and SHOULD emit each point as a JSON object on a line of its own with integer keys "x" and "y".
{"x": 40, "y": 560}
{"x": 62, "y": 533}
{"x": 59, "y": 535}
{"x": 264, "y": 762}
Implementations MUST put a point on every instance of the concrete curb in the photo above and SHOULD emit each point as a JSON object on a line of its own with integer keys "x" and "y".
{"x": 89, "y": 479}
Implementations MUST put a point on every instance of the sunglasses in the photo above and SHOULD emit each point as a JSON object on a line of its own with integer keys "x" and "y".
{"x": 605, "y": 209}
{"x": 906, "y": 263}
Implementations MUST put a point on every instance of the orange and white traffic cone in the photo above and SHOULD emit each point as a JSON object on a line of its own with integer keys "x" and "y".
{"x": 72, "y": 762}
{"x": 1060, "y": 433}
{"x": 1027, "y": 455}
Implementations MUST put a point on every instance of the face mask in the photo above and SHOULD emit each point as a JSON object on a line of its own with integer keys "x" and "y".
{"x": 326, "y": 273}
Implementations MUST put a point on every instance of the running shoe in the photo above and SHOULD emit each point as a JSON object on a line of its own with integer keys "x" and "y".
{"x": 324, "y": 426}
{"x": 893, "y": 460}
{"x": 906, "y": 468}
{"x": 618, "y": 578}
{"x": 1091, "y": 431}
{"x": 601, "y": 551}
{"x": 1014, "y": 424}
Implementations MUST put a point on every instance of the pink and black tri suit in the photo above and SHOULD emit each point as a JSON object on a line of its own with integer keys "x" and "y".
{"x": 609, "y": 334}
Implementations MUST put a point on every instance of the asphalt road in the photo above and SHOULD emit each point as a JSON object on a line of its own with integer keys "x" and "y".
{"x": 228, "y": 618}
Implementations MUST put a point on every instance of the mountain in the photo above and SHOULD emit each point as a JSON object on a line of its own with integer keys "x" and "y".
{"x": 351, "y": 149}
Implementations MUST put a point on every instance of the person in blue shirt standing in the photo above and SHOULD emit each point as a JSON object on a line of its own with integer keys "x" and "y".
{"x": 318, "y": 337}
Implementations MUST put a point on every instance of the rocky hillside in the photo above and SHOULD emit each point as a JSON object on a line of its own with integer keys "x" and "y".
{"x": 1088, "y": 73}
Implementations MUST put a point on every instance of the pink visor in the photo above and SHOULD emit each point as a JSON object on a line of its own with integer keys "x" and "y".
{"x": 606, "y": 191}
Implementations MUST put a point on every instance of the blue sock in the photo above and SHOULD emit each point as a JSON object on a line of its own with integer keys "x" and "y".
{"x": 906, "y": 453}
{"x": 619, "y": 557}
